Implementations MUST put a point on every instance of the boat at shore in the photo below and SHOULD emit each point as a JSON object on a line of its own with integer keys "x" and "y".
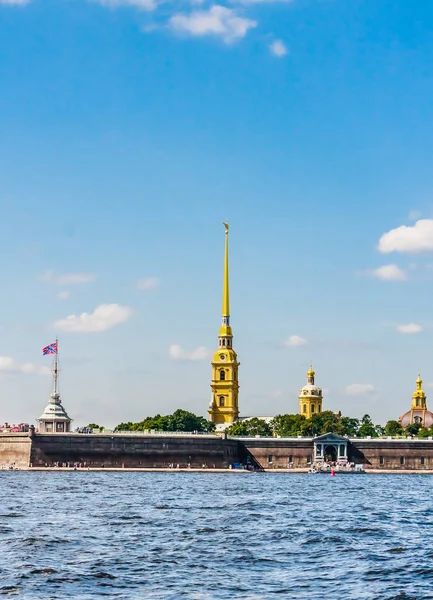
{"x": 333, "y": 469}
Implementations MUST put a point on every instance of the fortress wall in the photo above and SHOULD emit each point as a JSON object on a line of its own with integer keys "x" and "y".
{"x": 105, "y": 450}
{"x": 277, "y": 453}
{"x": 368, "y": 452}
{"x": 15, "y": 449}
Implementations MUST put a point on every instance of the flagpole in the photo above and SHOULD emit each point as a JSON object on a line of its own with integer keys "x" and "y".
{"x": 56, "y": 370}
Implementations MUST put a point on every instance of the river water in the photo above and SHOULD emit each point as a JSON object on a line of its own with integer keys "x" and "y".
{"x": 202, "y": 536}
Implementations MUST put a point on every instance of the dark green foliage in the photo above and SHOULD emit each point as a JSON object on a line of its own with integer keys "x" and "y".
{"x": 393, "y": 428}
{"x": 250, "y": 427}
{"x": 289, "y": 425}
{"x": 367, "y": 428}
{"x": 180, "y": 420}
{"x": 413, "y": 429}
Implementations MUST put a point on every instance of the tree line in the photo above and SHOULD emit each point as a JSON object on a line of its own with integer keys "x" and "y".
{"x": 281, "y": 425}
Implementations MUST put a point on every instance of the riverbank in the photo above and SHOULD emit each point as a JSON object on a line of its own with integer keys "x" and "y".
{"x": 194, "y": 470}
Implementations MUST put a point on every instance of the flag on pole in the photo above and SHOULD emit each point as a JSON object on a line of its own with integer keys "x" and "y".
{"x": 50, "y": 349}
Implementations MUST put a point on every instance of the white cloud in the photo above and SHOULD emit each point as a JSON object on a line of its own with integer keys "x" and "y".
{"x": 140, "y": 4}
{"x": 415, "y": 238}
{"x": 63, "y": 295}
{"x": 102, "y": 318}
{"x": 414, "y": 215}
{"x": 295, "y": 340}
{"x": 278, "y": 48}
{"x": 178, "y": 353}
{"x": 359, "y": 388}
{"x": 67, "y": 278}
{"x": 409, "y": 328}
{"x": 7, "y": 364}
{"x": 389, "y": 273}
{"x": 151, "y": 283}
{"x": 217, "y": 20}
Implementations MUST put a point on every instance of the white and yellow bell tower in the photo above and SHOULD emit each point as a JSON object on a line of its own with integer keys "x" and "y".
{"x": 224, "y": 407}
{"x": 310, "y": 396}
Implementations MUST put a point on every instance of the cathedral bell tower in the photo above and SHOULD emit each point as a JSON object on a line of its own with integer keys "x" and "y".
{"x": 310, "y": 396}
{"x": 224, "y": 407}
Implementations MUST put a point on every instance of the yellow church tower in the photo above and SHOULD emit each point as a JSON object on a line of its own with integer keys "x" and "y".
{"x": 310, "y": 396}
{"x": 224, "y": 406}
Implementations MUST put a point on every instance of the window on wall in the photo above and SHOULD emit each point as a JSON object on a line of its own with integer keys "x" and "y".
{"x": 222, "y": 401}
{"x": 270, "y": 458}
{"x": 222, "y": 375}
{"x": 309, "y": 459}
{"x": 224, "y": 342}
{"x": 402, "y": 460}
{"x": 422, "y": 460}
{"x": 381, "y": 460}
{"x": 305, "y": 408}
{"x": 313, "y": 408}
{"x": 417, "y": 401}
{"x": 290, "y": 459}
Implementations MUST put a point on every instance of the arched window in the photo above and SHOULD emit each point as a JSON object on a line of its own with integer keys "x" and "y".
{"x": 222, "y": 375}
{"x": 221, "y": 400}
{"x": 312, "y": 408}
{"x": 305, "y": 408}
{"x": 417, "y": 401}
{"x": 319, "y": 408}
{"x": 228, "y": 343}
{"x": 224, "y": 342}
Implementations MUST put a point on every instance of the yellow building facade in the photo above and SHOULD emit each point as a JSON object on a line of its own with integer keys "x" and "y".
{"x": 224, "y": 405}
{"x": 310, "y": 396}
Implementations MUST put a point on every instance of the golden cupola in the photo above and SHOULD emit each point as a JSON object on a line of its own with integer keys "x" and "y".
{"x": 310, "y": 396}
{"x": 418, "y": 412}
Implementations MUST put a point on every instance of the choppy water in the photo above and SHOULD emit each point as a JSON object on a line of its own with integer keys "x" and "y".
{"x": 204, "y": 536}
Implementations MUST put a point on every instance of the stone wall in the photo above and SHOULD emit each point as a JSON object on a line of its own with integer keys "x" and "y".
{"x": 105, "y": 450}
{"x": 15, "y": 450}
{"x": 393, "y": 454}
{"x": 278, "y": 453}
{"x": 398, "y": 454}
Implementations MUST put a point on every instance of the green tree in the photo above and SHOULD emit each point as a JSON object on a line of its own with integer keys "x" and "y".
{"x": 288, "y": 425}
{"x": 250, "y": 427}
{"x": 180, "y": 420}
{"x": 367, "y": 427}
{"x": 94, "y": 426}
{"x": 324, "y": 422}
{"x": 393, "y": 428}
{"x": 425, "y": 432}
{"x": 349, "y": 426}
{"x": 413, "y": 429}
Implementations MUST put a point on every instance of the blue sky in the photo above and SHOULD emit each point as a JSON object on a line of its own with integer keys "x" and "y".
{"x": 130, "y": 129}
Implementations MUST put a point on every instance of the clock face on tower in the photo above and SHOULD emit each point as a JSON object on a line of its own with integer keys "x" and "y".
{"x": 222, "y": 356}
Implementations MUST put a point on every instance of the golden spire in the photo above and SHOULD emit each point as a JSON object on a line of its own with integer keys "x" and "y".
{"x": 226, "y": 298}
{"x": 225, "y": 329}
{"x": 310, "y": 374}
{"x": 419, "y": 382}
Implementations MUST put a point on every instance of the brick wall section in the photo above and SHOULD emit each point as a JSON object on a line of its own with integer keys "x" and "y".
{"x": 15, "y": 449}
{"x": 97, "y": 450}
{"x": 154, "y": 450}
{"x": 396, "y": 454}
